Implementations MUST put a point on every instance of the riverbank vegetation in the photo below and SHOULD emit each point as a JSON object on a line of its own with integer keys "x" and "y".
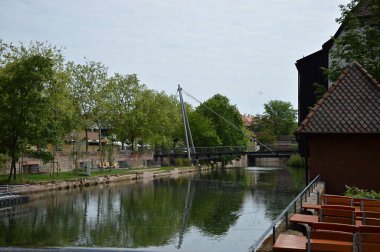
{"x": 33, "y": 178}
{"x": 46, "y": 102}
{"x": 295, "y": 160}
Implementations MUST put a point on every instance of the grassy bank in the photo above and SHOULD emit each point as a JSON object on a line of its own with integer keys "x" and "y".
{"x": 43, "y": 177}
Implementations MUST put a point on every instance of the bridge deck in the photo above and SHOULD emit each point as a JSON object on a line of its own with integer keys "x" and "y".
{"x": 203, "y": 153}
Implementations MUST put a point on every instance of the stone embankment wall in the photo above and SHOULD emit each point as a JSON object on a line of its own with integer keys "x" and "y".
{"x": 65, "y": 162}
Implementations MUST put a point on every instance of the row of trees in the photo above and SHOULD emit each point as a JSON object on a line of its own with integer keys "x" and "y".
{"x": 45, "y": 100}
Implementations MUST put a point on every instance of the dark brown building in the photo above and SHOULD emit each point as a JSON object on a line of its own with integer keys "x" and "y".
{"x": 340, "y": 137}
{"x": 310, "y": 68}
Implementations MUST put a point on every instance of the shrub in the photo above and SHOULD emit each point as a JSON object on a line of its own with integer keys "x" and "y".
{"x": 3, "y": 160}
{"x": 295, "y": 160}
{"x": 355, "y": 192}
{"x": 182, "y": 162}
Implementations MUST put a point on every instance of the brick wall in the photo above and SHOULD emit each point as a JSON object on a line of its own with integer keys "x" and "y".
{"x": 65, "y": 161}
{"x": 341, "y": 160}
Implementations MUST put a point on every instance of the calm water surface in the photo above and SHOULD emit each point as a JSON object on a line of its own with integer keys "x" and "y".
{"x": 223, "y": 210}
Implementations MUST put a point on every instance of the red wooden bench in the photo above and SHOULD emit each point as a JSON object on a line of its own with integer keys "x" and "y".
{"x": 289, "y": 243}
{"x": 370, "y": 205}
{"x": 328, "y": 199}
{"x": 323, "y": 237}
{"x": 333, "y": 214}
{"x": 331, "y": 237}
{"x": 369, "y": 238}
{"x": 369, "y": 218}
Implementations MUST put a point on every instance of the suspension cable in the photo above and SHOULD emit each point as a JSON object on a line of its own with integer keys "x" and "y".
{"x": 231, "y": 124}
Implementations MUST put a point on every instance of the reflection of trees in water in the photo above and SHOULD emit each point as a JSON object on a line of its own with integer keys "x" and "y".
{"x": 141, "y": 215}
{"x": 215, "y": 211}
{"x": 276, "y": 190}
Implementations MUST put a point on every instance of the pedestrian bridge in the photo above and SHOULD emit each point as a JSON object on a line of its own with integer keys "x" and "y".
{"x": 204, "y": 153}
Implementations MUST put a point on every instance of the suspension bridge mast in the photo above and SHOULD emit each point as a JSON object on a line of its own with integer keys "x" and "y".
{"x": 186, "y": 126}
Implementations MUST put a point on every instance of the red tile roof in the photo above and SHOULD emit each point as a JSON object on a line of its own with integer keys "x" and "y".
{"x": 351, "y": 105}
{"x": 247, "y": 120}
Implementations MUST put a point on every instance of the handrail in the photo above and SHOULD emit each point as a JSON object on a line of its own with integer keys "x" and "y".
{"x": 24, "y": 188}
{"x": 283, "y": 214}
{"x": 224, "y": 149}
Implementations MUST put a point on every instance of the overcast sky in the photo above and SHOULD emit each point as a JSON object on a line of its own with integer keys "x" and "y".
{"x": 243, "y": 49}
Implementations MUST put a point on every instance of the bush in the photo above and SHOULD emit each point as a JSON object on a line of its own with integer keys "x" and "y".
{"x": 295, "y": 160}
{"x": 361, "y": 193}
{"x": 3, "y": 160}
{"x": 182, "y": 162}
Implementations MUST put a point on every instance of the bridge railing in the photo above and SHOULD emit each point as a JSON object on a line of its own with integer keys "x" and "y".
{"x": 285, "y": 214}
{"x": 228, "y": 149}
{"x": 12, "y": 189}
{"x": 208, "y": 150}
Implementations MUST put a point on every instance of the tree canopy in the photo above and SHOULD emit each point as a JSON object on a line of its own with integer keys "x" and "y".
{"x": 26, "y": 73}
{"x": 279, "y": 118}
{"x": 360, "y": 38}
{"x": 226, "y": 120}
{"x": 45, "y": 101}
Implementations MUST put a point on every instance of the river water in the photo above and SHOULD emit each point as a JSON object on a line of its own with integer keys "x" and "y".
{"x": 221, "y": 210}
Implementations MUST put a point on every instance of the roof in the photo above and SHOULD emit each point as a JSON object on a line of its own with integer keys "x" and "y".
{"x": 247, "y": 120}
{"x": 351, "y": 105}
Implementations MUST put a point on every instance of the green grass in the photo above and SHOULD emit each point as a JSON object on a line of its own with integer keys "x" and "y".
{"x": 43, "y": 177}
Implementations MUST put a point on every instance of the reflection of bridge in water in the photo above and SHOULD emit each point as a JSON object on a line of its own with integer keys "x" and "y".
{"x": 209, "y": 153}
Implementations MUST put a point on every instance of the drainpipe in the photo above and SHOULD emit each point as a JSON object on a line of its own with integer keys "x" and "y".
{"x": 303, "y": 148}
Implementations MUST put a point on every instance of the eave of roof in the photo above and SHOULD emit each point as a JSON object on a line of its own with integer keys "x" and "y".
{"x": 305, "y": 123}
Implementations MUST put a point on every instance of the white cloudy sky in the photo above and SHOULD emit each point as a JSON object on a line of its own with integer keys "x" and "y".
{"x": 243, "y": 49}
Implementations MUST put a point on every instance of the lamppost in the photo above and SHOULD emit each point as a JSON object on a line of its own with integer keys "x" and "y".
{"x": 73, "y": 147}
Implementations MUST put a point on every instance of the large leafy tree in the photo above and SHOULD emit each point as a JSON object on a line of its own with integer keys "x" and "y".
{"x": 225, "y": 118}
{"x": 203, "y": 131}
{"x": 360, "y": 39}
{"x": 164, "y": 120}
{"x": 120, "y": 95}
{"x": 86, "y": 86}
{"x": 279, "y": 118}
{"x": 26, "y": 72}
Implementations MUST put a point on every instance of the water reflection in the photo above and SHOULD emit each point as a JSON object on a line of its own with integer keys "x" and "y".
{"x": 216, "y": 211}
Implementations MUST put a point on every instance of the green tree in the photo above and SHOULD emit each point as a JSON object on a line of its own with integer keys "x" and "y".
{"x": 225, "y": 118}
{"x": 202, "y": 129}
{"x": 279, "y": 118}
{"x": 25, "y": 74}
{"x": 121, "y": 90}
{"x": 138, "y": 118}
{"x": 360, "y": 39}
{"x": 165, "y": 119}
{"x": 86, "y": 86}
